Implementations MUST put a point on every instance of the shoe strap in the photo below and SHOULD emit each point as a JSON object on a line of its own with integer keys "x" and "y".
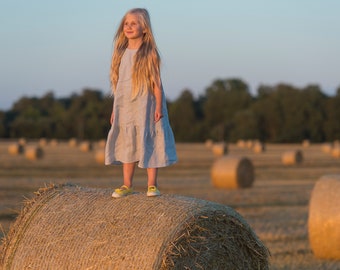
{"x": 124, "y": 187}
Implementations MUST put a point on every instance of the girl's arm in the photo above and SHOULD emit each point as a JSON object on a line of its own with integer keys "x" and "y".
{"x": 157, "y": 90}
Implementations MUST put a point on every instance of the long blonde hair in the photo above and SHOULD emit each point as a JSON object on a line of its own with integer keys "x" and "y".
{"x": 146, "y": 67}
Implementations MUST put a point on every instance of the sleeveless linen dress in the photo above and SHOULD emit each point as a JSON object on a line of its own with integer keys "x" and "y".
{"x": 134, "y": 136}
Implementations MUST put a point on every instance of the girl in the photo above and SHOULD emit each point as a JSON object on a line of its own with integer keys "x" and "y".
{"x": 140, "y": 130}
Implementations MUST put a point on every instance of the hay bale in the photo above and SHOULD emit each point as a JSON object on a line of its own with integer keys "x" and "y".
{"x": 209, "y": 143}
{"x": 16, "y": 149}
{"x": 324, "y": 218}
{"x": 259, "y": 147}
{"x": 306, "y": 143}
{"x": 336, "y": 152}
{"x": 22, "y": 141}
{"x": 42, "y": 142}
{"x": 34, "y": 153}
{"x": 249, "y": 144}
{"x": 232, "y": 172}
{"x": 73, "y": 142}
{"x": 241, "y": 143}
{"x": 54, "y": 142}
{"x": 81, "y": 228}
{"x": 292, "y": 157}
{"x": 86, "y": 146}
{"x": 101, "y": 143}
{"x": 219, "y": 149}
{"x": 99, "y": 156}
{"x": 326, "y": 147}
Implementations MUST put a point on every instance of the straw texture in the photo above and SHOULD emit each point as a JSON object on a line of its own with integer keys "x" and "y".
{"x": 324, "y": 218}
{"x": 81, "y": 228}
{"x": 232, "y": 172}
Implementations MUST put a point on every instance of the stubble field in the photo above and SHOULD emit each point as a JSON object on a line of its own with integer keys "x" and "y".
{"x": 276, "y": 207}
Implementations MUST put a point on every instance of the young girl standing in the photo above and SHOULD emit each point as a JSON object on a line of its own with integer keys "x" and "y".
{"x": 140, "y": 131}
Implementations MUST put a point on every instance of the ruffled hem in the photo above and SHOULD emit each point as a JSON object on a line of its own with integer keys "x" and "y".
{"x": 149, "y": 149}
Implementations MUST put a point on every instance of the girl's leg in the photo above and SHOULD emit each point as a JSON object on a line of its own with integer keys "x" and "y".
{"x": 128, "y": 172}
{"x": 152, "y": 176}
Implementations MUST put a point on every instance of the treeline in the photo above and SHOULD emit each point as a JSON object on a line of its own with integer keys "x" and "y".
{"x": 226, "y": 111}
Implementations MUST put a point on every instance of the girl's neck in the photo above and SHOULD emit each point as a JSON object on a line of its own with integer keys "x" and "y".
{"x": 134, "y": 43}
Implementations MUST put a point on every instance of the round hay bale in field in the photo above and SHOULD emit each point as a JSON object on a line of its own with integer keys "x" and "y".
{"x": 101, "y": 143}
{"x": 42, "y": 142}
{"x": 22, "y": 141}
{"x": 16, "y": 149}
{"x": 209, "y": 143}
{"x": 86, "y": 147}
{"x": 326, "y": 147}
{"x": 232, "y": 172}
{"x": 81, "y": 228}
{"x": 249, "y": 144}
{"x": 219, "y": 149}
{"x": 306, "y": 143}
{"x": 34, "y": 153}
{"x": 324, "y": 218}
{"x": 241, "y": 143}
{"x": 258, "y": 147}
{"x": 292, "y": 157}
{"x": 54, "y": 142}
{"x": 100, "y": 156}
{"x": 336, "y": 152}
{"x": 73, "y": 142}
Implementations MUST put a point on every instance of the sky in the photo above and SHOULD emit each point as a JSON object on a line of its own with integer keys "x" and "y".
{"x": 65, "y": 46}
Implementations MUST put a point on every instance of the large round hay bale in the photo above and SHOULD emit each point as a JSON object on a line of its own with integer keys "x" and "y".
{"x": 83, "y": 228}
{"x": 232, "y": 172}
{"x": 324, "y": 218}
{"x": 219, "y": 149}
{"x": 292, "y": 157}
{"x": 16, "y": 149}
{"x": 34, "y": 152}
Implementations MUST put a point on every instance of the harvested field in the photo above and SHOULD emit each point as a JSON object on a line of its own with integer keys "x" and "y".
{"x": 276, "y": 206}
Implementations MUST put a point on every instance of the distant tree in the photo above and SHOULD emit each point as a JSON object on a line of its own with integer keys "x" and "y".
{"x": 2, "y": 124}
{"x": 183, "y": 118}
{"x": 313, "y": 109}
{"x": 88, "y": 115}
{"x": 245, "y": 126}
{"x": 224, "y": 98}
{"x": 331, "y": 124}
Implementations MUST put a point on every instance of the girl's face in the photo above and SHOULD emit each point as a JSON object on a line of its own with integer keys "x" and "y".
{"x": 132, "y": 27}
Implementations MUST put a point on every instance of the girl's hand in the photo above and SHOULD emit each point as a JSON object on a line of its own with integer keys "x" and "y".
{"x": 112, "y": 117}
{"x": 158, "y": 116}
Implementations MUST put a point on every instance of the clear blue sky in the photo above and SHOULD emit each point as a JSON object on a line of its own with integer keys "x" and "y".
{"x": 66, "y": 45}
